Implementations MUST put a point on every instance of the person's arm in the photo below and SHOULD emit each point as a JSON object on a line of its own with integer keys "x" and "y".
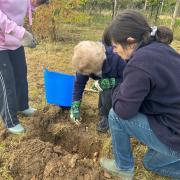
{"x": 79, "y": 86}
{"x": 8, "y": 26}
{"x": 128, "y": 96}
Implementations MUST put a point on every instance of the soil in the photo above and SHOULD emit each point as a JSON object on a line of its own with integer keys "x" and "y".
{"x": 53, "y": 148}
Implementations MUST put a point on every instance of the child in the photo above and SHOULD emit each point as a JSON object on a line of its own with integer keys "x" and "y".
{"x": 97, "y": 61}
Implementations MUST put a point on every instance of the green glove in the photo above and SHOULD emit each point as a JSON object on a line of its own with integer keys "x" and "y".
{"x": 75, "y": 112}
{"x": 104, "y": 84}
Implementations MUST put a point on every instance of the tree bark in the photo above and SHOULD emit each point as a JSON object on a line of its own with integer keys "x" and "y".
{"x": 145, "y": 5}
{"x": 114, "y": 9}
{"x": 173, "y": 22}
{"x": 157, "y": 11}
{"x": 162, "y": 5}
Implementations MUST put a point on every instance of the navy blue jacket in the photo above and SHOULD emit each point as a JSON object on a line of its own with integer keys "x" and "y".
{"x": 151, "y": 85}
{"x": 112, "y": 67}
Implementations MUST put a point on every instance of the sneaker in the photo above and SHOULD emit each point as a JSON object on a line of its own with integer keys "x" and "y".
{"x": 18, "y": 129}
{"x": 28, "y": 112}
{"x": 110, "y": 166}
{"x": 103, "y": 125}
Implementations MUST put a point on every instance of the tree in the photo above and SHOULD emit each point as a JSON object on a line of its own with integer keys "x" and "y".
{"x": 114, "y": 8}
{"x": 175, "y": 14}
{"x": 145, "y": 5}
{"x": 49, "y": 20}
{"x": 162, "y": 5}
{"x": 159, "y": 2}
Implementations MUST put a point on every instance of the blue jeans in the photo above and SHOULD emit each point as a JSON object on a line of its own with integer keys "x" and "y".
{"x": 159, "y": 158}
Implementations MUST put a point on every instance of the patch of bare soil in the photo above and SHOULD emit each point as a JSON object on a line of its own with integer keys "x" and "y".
{"x": 35, "y": 159}
{"x": 55, "y": 149}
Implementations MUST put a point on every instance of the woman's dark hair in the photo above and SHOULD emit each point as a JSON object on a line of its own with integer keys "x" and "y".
{"x": 164, "y": 35}
{"x": 133, "y": 24}
{"x": 106, "y": 38}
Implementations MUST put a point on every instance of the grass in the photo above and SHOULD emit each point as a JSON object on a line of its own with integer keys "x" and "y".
{"x": 57, "y": 57}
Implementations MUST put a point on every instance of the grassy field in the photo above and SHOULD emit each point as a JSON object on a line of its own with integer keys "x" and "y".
{"x": 57, "y": 57}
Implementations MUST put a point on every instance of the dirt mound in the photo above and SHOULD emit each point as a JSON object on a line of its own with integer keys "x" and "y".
{"x": 35, "y": 159}
{"x": 30, "y": 158}
{"x": 81, "y": 142}
{"x": 53, "y": 148}
{"x": 53, "y": 125}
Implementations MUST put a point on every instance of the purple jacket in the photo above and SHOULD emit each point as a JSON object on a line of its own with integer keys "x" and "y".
{"x": 12, "y": 13}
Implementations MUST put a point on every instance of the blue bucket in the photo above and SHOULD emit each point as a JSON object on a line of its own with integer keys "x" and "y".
{"x": 58, "y": 88}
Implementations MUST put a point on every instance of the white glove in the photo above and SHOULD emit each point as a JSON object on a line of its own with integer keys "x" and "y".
{"x": 28, "y": 40}
{"x": 96, "y": 86}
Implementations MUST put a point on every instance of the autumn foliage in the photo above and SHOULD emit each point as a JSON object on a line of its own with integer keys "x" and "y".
{"x": 48, "y": 20}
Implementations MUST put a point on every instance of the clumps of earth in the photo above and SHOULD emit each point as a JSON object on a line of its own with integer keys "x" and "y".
{"x": 54, "y": 149}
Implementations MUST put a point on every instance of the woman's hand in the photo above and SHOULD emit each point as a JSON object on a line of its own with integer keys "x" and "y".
{"x": 28, "y": 40}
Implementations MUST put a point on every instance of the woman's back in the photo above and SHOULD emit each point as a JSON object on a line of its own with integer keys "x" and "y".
{"x": 162, "y": 103}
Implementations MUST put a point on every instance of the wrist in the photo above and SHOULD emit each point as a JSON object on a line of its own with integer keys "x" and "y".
{"x": 76, "y": 104}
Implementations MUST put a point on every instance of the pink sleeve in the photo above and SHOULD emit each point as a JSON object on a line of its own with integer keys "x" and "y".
{"x": 10, "y": 27}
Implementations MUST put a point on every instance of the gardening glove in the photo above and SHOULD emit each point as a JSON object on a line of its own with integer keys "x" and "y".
{"x": 28, "y": 40}
{"x": 75, "y": 112}
{"x": 104, "y": 84}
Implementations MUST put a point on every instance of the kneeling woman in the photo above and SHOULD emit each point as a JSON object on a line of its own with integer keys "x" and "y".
{"x": 146, "y": 105}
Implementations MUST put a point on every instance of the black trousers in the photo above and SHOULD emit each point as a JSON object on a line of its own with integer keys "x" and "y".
{"x": 105, "y": 102}
{"x": 13, "y": 85}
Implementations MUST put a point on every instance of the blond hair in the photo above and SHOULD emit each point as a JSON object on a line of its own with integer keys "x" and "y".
{"x": 88, "y": 57}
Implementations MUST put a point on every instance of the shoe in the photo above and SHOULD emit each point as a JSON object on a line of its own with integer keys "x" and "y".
{"x": 18, "y": 129}
{"x": 110, "y": 166}
{"x": 28, "y": 112}
{"x": 103, "y": 125}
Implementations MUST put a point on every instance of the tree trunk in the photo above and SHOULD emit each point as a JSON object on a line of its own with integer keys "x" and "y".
{"x": 145, "y": 5}
{"x": 114, "y": 9}
{"x": 175, "y": 14}
{"x": 157, "y": 11}
{"x": 162, "y": 5}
